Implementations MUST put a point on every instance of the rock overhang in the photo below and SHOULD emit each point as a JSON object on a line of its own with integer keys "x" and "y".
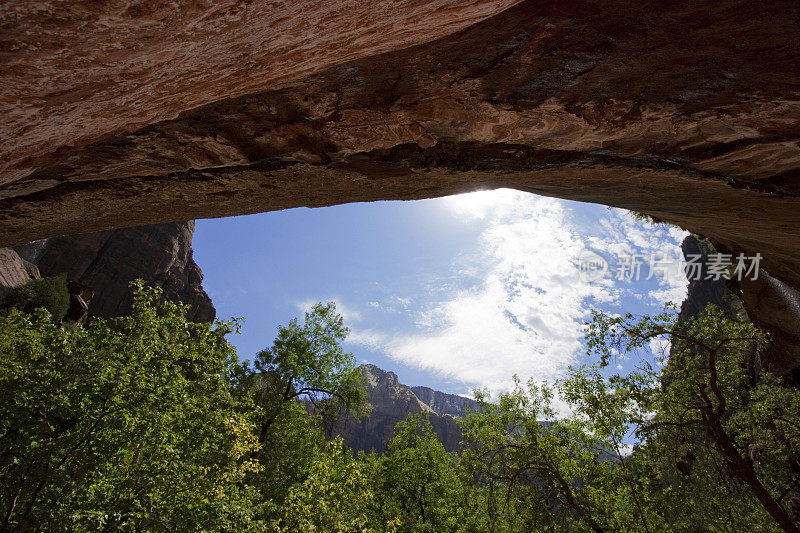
{"x": 689, "y": 112}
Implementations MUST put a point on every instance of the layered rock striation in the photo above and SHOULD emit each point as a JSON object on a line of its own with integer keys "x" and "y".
{"x": 150, "y": 112}
{"x": 391, "y": 402}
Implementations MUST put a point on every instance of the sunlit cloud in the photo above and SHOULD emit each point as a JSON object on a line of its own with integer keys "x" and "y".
{"x": 526, "y": 314}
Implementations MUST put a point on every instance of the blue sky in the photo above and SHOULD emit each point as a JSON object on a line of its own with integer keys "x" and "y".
{"x": 453, "y": 293}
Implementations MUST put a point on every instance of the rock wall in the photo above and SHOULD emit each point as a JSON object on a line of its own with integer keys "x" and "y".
{"x": 75, "y": 72}
{"x": 769, "y": 303}
{"x": 150, "y": 112}
{"x": 702, "y": 292}
{"x": 14, "y": 272}
{"x": 108, "y": 261}
{"x": 774, "y": 307}
{"x": 392, "y": 402}
{"x": 443, "y": 403}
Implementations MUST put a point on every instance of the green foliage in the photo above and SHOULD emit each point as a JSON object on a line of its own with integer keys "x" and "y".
{"x": 49, "y": 293}
{"x": 705, "y": 416}
{"x": 416, "y": 481}
{"x": 644, "y": 217}
{"x": 307, "y": 361}
{"x": 128, "y": 423}
{"x": 333, "y": 497}
{"x": 149, "y": 422}
{"x": 286, "y": 455}
{"x": 708, "y": 430}
{"x": 301, "y": 384}
{"x": 555, "y": 475}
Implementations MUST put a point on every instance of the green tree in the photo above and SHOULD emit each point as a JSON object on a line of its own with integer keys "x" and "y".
{"x": 720, "y": 430}
{"x": 49, "y": 293}
{"x": 128, "y": 423}
{"x": 542, "y": 473}
{"x": 300, "y": 385}
{"x": 707, "y": 429}
{"x": 416, "y": 481}
{"x": 334, "y": 497}
{"x": 307, "y": 362}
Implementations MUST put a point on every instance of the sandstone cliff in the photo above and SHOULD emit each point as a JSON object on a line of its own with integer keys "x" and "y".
{"x": 391, "y": 402}
{"x": 108, "y": 261}
{"x": 148, "y": 112}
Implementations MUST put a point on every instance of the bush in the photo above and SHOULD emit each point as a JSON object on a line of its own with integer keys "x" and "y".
{"x": 130, "y": 423}
{"x": 49, "y": 293}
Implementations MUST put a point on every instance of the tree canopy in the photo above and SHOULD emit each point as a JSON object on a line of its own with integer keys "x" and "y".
{"x": 150, "y": 422}
{"x": 126, "y": 423}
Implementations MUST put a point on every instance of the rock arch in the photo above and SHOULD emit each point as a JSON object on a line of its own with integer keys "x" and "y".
{"x": 120, "y": 114}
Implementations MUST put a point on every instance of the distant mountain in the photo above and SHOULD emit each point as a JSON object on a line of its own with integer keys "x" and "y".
{"x": 391, "y": 402}
{"x": 443, "y": 403}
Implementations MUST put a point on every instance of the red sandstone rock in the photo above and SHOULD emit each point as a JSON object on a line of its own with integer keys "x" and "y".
{"x": 689, "y": 111}
{"x": 74, "y": 72}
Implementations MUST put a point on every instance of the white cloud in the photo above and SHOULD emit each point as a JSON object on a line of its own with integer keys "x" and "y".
{"x": 624, "y": 236}
{"x": 348, "y": 313}
{"x": 660, "y": 348}
{"x": 526, "y": 314}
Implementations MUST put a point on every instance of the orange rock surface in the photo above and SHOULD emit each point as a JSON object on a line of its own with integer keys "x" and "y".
{"x": 120, "y": 114}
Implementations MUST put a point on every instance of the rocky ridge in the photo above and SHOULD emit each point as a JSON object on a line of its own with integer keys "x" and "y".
{"x": 392, "y": 402}
{"x": 443, "y": 403}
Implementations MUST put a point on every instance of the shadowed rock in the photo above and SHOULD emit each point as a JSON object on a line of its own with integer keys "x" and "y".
{"x": 107, "y": 262}
{"x": 392, "y": 402}
{"x": 145, "y": 113}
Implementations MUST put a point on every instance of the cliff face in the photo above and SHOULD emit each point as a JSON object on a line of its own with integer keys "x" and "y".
{"x": 443, "y": 403}
{"x": 108, "y": 261}
{"x": 774, "y": 306}
{"x": 392, "y": 402}
{"x": 140, "y": 113}
{"x": 769, "y": 303}
{"x": 14, "y": 272}
{"x": 701, "y": 291}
